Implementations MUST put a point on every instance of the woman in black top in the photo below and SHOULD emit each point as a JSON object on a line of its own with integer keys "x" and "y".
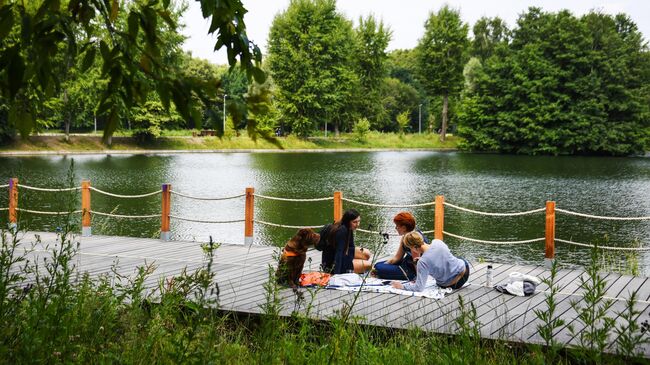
{"x": 341, "y": 255}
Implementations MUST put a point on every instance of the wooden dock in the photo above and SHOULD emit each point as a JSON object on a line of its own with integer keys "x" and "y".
{"x": 241, "y": 272}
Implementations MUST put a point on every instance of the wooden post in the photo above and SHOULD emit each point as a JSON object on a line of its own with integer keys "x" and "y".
{"x": 13, "y": 203}
{"x": 550, "y": 231}
{"x": 439, "y": 218}
{"x": 85, "y": 209}
{"x": 338, "y": 206}
{"x": 248, "y": 216}
{"x": 165, "y": 234}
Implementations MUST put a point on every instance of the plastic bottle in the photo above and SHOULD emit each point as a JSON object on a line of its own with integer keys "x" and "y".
{"x": 488, "y": 276}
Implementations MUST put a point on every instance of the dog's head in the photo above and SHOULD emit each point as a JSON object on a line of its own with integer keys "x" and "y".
{"x": 304, "y": 238}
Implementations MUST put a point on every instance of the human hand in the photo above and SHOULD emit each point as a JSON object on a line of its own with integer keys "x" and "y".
{"x": 397, "y": 285}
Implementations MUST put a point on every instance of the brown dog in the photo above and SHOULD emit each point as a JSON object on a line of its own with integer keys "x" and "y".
{"x": 293, "y": 257}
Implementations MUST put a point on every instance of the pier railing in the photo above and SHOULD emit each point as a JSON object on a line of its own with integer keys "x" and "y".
{"x": 337, "y": 198}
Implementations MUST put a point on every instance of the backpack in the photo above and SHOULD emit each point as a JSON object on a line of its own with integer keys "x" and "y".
{"x": 324, "y": 235}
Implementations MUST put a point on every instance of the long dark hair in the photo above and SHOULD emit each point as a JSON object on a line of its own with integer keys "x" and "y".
{"x": 348, "y": 216}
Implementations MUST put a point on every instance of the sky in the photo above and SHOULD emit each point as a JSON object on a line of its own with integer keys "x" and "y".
{"x": 406, "y": 20}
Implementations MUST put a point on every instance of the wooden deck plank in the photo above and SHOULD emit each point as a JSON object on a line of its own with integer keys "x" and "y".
{"x": 569, "y": 313}
{"x": 497, "y": 310}
{"x": 482, "y": 300}
{"x": 241, "y": 271}
{"x": 450, "y": 303}
{"x": 523, "y": 311}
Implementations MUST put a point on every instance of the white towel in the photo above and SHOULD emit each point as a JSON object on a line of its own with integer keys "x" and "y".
{"x": 374, "y": 285}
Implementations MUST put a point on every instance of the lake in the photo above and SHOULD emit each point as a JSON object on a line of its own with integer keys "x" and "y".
{"x": 492, "y": 183}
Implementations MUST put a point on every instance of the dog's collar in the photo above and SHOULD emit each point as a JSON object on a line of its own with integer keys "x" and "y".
{"x": 291, "y": 253}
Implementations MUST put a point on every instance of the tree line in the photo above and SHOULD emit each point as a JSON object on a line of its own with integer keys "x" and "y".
{"x": 553, "y": 84}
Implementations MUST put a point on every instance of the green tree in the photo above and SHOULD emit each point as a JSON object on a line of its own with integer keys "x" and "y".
{"x": 397, "y": 96}
{"x": 149, "y": 120}
{"x": 441, "y": 55}
{"x": 402, "y": 65}
{"x": 131, "y": 57}
{"x": 372, "y": 38}
{"x": 567, "y": 85}
{"x": 310, "y": 57}
{"x": 235, "y": 84}
{"x": 489, "y": 34}
{"x": 211, "y": 112}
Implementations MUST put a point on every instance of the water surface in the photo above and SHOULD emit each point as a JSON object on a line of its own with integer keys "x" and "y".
{"x": 494, "y": 183}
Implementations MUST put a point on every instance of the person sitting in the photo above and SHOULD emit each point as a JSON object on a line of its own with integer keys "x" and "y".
{"x": 401, "y": 266}
{"x": 341, "y": 255}
{"x": 435, "y": 260}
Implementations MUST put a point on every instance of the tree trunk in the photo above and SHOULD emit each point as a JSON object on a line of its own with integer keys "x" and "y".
{"x": 67, "y": 129}
{"x": 67, "y": 116}
{"x": 336, "y": 128}
{"x": 445, "y": 106}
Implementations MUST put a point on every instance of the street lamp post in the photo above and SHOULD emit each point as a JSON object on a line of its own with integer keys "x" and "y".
{"x": 224, "y": 114}
{"x": 420, "y": 120}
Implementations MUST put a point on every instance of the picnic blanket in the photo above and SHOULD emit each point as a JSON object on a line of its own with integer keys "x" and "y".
{"x": 354, "y": 282}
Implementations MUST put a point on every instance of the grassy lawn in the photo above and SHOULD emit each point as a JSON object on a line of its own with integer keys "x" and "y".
{"x": 177, "y": 141}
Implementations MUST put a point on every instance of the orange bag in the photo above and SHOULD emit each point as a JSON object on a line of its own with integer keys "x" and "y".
{"x": 314, "y": 279}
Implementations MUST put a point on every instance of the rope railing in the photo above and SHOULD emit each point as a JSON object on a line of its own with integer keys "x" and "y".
{"x": 338, "y": 199}
{"x": 494, "y": 214}
{"x": 125, "y": 216}
{"x": 206, "y": 198}
{"x": 124, "y": 196}
{"x": 204, "y": 221}
{"x": 284, "y": 225}
{"x": 292, "y": 199}
{"x": 602, "y": 217}
{"x": 377, "y": 232}
{"x": 48, "y": 189}
{"x": 614, "y": 248}
{"x": 388, "y": 205}
{"x": 495, "y": 242}
{"x": 46, "y": 212}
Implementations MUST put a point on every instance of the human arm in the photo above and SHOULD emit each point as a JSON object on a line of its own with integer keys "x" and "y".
{"x": 399, "y": 254}
{"x": 421, "y": 279}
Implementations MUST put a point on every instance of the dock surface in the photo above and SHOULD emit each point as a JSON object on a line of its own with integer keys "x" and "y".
{"x": 241, "y": 272}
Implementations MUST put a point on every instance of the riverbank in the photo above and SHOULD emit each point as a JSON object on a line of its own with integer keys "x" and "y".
{"x": 92, "y": 144}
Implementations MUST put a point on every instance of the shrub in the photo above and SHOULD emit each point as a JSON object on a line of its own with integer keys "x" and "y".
{"x": 403, "y": 121}
{"x": 361, "y": 130}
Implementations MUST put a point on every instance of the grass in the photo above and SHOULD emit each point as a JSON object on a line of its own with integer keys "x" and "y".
{"x": 178, "y": 141}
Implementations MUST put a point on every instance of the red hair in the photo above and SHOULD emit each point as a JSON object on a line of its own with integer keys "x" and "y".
{"x": 405, "y": 219}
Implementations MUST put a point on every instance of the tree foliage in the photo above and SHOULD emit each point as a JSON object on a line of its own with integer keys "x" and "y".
{"x": 566, "y": 85}
{"x": 128, "y": 42}
{"x": 441, "y": 55}
{"x": 489, "y": 35}
{"x": 372, "y": 38}
{"x": 310, "y": 56}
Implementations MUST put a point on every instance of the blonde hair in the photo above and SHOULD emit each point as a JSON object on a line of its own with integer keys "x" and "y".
{"x": 412, "y": 240}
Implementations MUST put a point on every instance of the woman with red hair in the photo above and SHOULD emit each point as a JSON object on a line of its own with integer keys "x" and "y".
{"x": 402, "y": 265}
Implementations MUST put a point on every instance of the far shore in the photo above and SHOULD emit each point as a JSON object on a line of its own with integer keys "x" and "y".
{"x": 168, "y": 152}
{"x": 44, "y": 145}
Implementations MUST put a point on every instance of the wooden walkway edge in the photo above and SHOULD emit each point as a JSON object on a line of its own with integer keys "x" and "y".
{"x": 241, "y": 272}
